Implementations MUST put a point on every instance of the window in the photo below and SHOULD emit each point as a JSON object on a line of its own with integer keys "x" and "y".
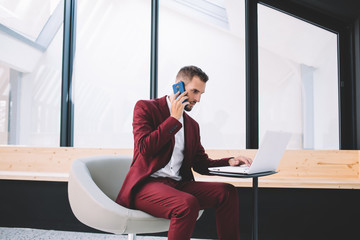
{"x": 210, "y": 35}
{"x": 298, "y": 80}
{"x": 298, "y": 71}
{"x": 111, "y": 70}
{"x": 4, "y": 103}
{"x": 30, "y": 81}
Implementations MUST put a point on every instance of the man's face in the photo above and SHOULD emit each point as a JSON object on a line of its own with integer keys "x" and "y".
{"x": 194, "y": 89}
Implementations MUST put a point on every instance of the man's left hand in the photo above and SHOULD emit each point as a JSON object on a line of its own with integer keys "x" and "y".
{"x": 240, "y": 160}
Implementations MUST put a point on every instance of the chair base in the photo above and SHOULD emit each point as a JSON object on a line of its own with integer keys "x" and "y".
{"x": 131, "y": 236}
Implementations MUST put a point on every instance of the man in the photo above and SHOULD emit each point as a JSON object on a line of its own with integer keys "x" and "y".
{"x": 166, "y": 147}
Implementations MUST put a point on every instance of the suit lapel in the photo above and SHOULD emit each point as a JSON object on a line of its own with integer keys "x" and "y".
{"x": 165, "y": 113}
{"x": 163, "y": 107}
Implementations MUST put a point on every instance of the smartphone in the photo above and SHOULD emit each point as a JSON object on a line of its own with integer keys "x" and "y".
{"x": 179, "y": 87}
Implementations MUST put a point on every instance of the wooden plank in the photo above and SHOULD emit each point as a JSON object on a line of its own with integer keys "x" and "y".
{"x": 298, "y": 168}
{"x": 320, "y": 163}
{"x": 56, "y": 160}
{"x": 34, "y": 176}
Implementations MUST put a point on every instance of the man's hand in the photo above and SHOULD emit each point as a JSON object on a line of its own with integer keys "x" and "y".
{"x": 178, "y": 104}
{"x": 240, "y": 160}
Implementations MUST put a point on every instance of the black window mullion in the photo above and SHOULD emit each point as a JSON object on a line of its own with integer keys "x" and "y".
{"x": 154, "y": 49}
{"x": 252, "y": 76}
{"x": 67, "y": 107}
{"x": 347, "y": 92}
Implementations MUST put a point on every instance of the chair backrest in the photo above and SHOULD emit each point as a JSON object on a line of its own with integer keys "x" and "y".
{"x": 94, "y": 183}
{"x": 108, "y": 172}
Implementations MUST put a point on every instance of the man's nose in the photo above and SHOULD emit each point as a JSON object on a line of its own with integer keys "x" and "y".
{"x": 197, "y": 98}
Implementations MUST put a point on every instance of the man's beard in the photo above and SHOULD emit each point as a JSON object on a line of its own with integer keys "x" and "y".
{"x": 188, "y": 108}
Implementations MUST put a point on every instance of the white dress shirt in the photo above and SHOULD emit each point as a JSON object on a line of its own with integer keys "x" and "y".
{"x": 172, "y": 169}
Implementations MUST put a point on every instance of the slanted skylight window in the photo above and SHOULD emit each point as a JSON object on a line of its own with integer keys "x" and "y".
{"x": 27, "y": 18}
{"x": 209, "y": 11}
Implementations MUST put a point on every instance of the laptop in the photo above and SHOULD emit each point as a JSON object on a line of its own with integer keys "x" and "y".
{"x": 267, "y": 158}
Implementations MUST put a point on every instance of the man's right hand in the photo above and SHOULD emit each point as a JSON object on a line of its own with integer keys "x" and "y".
{"x": 178, "y": 104}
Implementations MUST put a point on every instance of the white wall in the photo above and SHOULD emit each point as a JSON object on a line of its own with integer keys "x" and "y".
{"x": 18, "y": 55}
{"x": 326, "y": 102}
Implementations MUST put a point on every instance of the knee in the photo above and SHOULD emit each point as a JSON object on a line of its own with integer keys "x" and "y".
{"x": 229, "y": 191}
{"x": 189, "y": 206}
{"x": 228, "y": 188}
{"x": 191, "y": 203}
{"x": 232, "y": 189}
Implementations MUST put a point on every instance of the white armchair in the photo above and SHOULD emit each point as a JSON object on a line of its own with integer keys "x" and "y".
{"x": 94, "y": 183}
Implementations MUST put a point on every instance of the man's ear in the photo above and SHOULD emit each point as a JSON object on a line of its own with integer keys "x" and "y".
{"x": 182, "y": 80}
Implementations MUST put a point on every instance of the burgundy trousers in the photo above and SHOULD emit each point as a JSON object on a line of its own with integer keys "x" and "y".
{"x": 181, "y": 201}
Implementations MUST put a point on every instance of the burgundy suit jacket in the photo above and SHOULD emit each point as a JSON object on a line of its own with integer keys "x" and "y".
{"x": 154, "y": 138}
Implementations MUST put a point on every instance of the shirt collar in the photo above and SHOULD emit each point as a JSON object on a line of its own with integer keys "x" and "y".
{"x": 168, "y": 103}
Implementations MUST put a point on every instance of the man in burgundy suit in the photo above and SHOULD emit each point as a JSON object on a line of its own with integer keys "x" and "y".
{"x": 166, "y": 147}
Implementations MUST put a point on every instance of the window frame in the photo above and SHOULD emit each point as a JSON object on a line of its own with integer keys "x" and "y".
{"x": 346, "y": 63}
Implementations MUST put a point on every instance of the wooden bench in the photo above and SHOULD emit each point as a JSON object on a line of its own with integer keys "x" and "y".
{"x": 45, "y": 164}
{"x": 336, "y": 169}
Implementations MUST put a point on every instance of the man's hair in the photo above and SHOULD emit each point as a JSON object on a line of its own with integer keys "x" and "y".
{"x": 188, "y": 72}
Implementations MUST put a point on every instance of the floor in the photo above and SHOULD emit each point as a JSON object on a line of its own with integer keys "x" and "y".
{"x": 37, "y": 234}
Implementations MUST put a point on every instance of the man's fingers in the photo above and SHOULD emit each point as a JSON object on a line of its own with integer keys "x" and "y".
{"x": 248, "y": 161}
{"x": 173, "y": 96}
{"x": 183, "y": 99}
{"x": 244, "y": 160}
{"x": 177, "y": 96}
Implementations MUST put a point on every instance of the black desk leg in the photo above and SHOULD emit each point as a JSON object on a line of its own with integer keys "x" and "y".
{"x": 255, "y": 207}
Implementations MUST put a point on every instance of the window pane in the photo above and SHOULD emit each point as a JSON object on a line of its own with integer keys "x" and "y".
{"x": 111, "y": 71}
{"x": 4, "y": 103}
{"x": 298, "y": 80}
{"x": 30, "y": 81}
{"x": 210, "y": 35}
{"x": 28, "y": 17}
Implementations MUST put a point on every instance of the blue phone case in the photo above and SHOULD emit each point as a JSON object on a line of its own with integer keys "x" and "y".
{"x": 179, "y": 87}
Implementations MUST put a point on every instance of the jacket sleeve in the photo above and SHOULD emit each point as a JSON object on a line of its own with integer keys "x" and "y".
{"x": 202, "y": 162}
{"x": 149, "y": 138}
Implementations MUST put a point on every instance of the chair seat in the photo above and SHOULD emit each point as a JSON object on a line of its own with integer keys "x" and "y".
{"x": 94, "y": 183}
